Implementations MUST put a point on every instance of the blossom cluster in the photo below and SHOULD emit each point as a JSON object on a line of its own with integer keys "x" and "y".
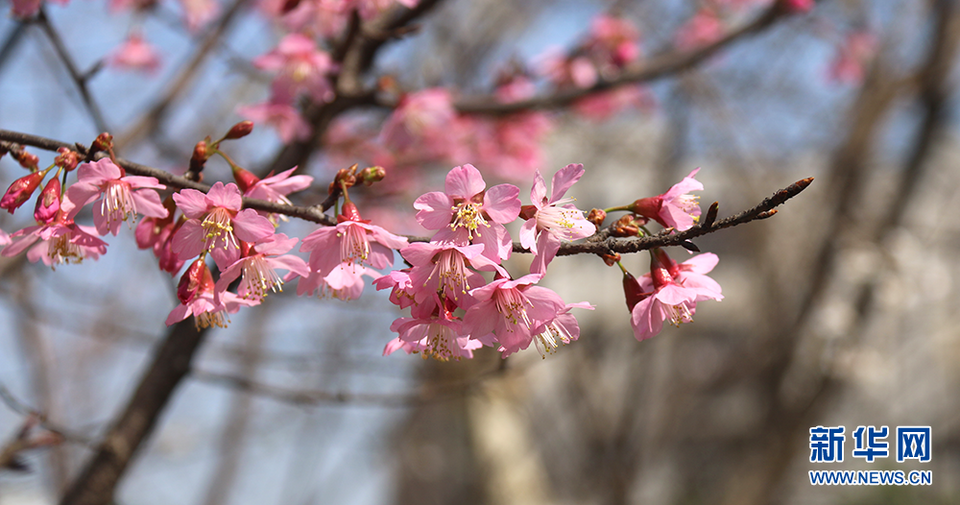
{"x": 460, "y": 295}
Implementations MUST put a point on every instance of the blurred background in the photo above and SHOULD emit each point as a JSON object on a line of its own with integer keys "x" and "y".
{"x": 839, "y": 311}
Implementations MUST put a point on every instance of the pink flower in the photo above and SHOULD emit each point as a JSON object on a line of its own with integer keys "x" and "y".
{"x": 613, "y": 41}
{"x": 61, "y": 241}
{"x": 562, "y": 71}
{"x": 124, "y": 196}
{"x": 471, "y": 212}
{"x": 438, "y": 335}
{"x": 511, "y": 310}
{"x": 135, "y": 54}
{"x": 4, "y": 238}
{"x": 561, "y": 330}
{"x": 443, "y": 268}
{"x": 551, "y": 221}
{"x": 671, "y": 291}
{"x": 285, "y": 118}
{"x": 258, "y": 265}
{"x": 25, "y": 8}
{"x": 273, "y": 188}
{"x": 401, "y": 288}
{"x": 344, "y": 282}
{"x": 674, "y": 209}
{"x": 511, "y": 146}
{"x": 353, "y": 241}
{"x": 215, "y": 223}
{"x": 424, "y": 122}
{"x": 197, "y": 298}
{"x": 601, "y": 105}
{"x": 302, "y": 68}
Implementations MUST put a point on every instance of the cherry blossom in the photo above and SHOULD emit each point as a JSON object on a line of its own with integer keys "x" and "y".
{"x": 273, "y": 188}
{"x": 549, "y": 221}
{"x": 674, "y": 209}
{"x": 60, "y": 241}
{"x": 196, "y": 293}
{"x": 443, "y": 268}
{"x": 197, "y": 13}
{"x": 510, "y": 310}
{"x": 48, "y": 203}
{"x": 560, "y": 330}
{"x": 424, "y": 122}
{"x": 301, "y": 67}
{"x": 258, "y": 264}
{"x": 135, "y": 54}
{"x": 468, "y": 211}
{"x": 215, "y": 223}
{"x": 157, "y": 234}
{"x": 438, "y": 335}
{"x": 704, "y": 28}
{"x": 123, "y": 196}
{"x": 669, "y": 292}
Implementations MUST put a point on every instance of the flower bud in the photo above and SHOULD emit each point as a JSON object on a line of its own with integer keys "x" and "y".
{"x": 665, "y": 261}
{"x": 597, "y": 216}
{"x": 239, "y": 130}
{"x": 67, "y": 159}
{"x": 647, "y": 207}
{"x": 349, "y": 212}
{"x": 20, "y": 191}
{"x": 632, "y": 290}
{"x": 371, "y": 175}
{"x": 245, "y": 179}
{"x": 48, "y": 203}
{"x": 626, "y": 226}
{"x": 196, "y": 277}
{"x": 198, "y": 160}
{"x": 346, "y": 178}
{"x": 527, "y": 212}
{"x": 611, "y": 259}
{"x": 27, "y": 160}
{"x": 104, "y": 142}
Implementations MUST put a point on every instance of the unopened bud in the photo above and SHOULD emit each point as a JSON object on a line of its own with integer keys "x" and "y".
{"x": 104, "y": 142}
{"x": 48, "y": 203}
{"x": 345, "y": 178}
{"x": 239, "y": 130}
{"x": 632, "y": 290}
{"x": 245, "y": 179}
{"x": 371, "y": 175}
{"x": 626, "y": 226}
{"x": 199, "y": 158}
{"x": 597, "y": 216}
{"x": 27, "y": 160}
{"x": 20, "y": 191}
{"x": 67, "y": 159}
{"x": 611, "y": 259}
{"x": 349, "y": 212}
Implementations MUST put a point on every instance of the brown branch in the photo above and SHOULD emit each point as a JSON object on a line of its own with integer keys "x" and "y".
{"x": 666, "y": 64}
{"x": 601, "y": 243}
{"x": 98, "y": 480}
{"x": 314, "y": 214}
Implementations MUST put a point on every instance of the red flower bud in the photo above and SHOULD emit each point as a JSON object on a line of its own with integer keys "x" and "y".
{"x": 647, "y": 207}
{"x": 527, "y": 212}
{"x": 20, "y": 191}
{"x": 349, "y": 212}
{"x": 104, "y": 142}
{"x": 239, "y": 130}
{"x": 245, "y": 179}
{"x": 67, "y": 159}
{"x": 632, "y": 290}
{"x": 27, "y": 160}
{"x": 196, "y": 278}
{"x": 199, "y": 158}
{"x": 48, "y": 203}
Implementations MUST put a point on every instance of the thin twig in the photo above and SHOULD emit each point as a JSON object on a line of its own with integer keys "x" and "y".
{"x": 601, "y": 243}
{"x": 79, "y": 79}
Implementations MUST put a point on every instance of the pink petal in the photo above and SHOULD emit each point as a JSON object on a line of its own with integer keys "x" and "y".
{"x": 98, "y": 171}
{"x": 189, "y": 239}
{"x": 78, "y": 195}
{"x": 290, "y": 263}
{"x": 434, "y": 210}
{"x": 701, "y": 263}
{"x": 191, "y": 202}
{"x": 228, "y": 197}
{"x": 502, "y": 203}
{"x": 564, "y": 179}
{"x": 250, "y": 226}
{"x": 528, "y": 235}
{"x": 465, "y": 181}
{"x": 645, "y": 323}
{"x": 538, "y": 193}
{"x": 148, "y": 203}
{"x": 548, "y": 244}
{"x": 137, "y": 181}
